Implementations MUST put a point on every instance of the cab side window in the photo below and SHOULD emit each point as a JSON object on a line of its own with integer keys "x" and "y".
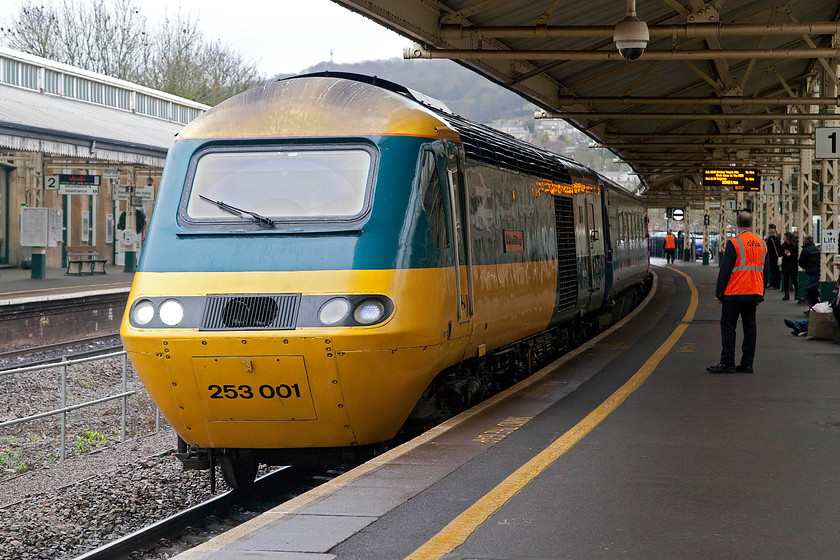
{"x": 431, "y": 194}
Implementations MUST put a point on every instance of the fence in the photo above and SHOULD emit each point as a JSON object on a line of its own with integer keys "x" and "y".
{"x": 64, "y": 364}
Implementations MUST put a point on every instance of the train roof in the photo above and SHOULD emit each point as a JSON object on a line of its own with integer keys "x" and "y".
{"x": 346, "y": 104}
{"x": 317, "y": 106}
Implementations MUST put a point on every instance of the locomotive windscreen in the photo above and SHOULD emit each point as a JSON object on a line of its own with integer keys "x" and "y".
{"x": 293, "y": 184}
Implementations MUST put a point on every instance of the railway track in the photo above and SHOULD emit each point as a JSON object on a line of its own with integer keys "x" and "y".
{"x": 202, "y": 522}
{"x": 51, "y": 348}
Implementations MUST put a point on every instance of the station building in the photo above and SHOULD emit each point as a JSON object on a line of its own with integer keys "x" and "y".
{"x": 82, "y": 148}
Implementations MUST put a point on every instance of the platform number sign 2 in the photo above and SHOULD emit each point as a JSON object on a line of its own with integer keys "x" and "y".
{"x": 827, "y": 140}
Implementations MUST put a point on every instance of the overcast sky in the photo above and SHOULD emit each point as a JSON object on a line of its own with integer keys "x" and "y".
{"x": 285, "y": 36}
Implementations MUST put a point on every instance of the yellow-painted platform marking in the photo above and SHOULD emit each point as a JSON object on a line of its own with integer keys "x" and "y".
{"x": 459, "y": 529}
{"x": 503, "y": 429}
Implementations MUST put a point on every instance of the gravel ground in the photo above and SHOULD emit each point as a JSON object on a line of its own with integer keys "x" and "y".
{"x": 83, "y": 504}
{"x": 53, "y": 509}
{"x": 37, "y": 444}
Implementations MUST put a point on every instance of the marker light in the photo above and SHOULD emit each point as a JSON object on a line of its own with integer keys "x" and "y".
{"x": 334, "y": 311}
{"x": 369, "y": 312}
{"x": 171, "y": 312}
{"x": 144, "y": 312}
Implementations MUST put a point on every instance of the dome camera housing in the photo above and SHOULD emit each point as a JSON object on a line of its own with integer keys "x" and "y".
{"x": 631, "y": 37}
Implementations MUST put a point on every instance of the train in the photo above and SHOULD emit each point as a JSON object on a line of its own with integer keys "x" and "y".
{"x": 333, "y": 256}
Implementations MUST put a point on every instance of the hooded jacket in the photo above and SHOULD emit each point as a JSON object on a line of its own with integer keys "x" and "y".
{"x": 809, "y": 259}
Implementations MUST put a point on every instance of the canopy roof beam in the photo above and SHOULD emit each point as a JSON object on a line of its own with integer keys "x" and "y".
{"x": 687, "y": 31}
{"x": 417, "y": 51}
{"x": 699, "y": 135}
{"x": 696, "y": 116}
{"x": 706, "y": 146}
{"x": 709, "y": 101}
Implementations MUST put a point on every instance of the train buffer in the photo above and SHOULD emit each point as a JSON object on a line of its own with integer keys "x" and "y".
{"x": 84, "y": 259}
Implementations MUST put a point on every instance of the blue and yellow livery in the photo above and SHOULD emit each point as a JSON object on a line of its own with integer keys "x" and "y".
{"x": 328, "y": 249}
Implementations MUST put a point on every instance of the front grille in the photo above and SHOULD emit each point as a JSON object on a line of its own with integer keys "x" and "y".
{"x": 240, "y": 312}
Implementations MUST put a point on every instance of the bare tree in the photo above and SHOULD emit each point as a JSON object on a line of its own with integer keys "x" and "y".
{"x": 33, "y": 31}
{"x": 114, "y": 38}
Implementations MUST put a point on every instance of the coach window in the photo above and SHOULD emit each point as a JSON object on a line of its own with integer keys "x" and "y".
{"x": 456, "y": 178}
{"x": 432, "y": 196}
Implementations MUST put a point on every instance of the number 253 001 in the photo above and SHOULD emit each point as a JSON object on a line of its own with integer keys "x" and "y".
{"x": 282, "y": 391}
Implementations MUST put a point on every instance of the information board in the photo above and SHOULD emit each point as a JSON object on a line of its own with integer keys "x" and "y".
{"x": 89, "y": 190}
{"x": 737, "y": 179}
{"x": 56, "y": 227}
{"x": 828, "y": 237}
{"x": 34, "y": 227}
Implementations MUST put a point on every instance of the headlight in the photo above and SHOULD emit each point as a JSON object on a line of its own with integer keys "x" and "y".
{"x": 369, "y": 311}
{"x": 334, "y": 311}
{"x": 171, "y": 312}
{"x": 144, "y": 312}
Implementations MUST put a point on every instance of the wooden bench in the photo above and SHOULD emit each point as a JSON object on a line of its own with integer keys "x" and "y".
{"x": 84, "y": 259}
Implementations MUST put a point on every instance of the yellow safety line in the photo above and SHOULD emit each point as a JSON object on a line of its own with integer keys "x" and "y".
{"x": 456, "y": 533}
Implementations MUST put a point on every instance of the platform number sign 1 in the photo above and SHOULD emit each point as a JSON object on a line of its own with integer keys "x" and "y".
{"x": 827, "y": 140}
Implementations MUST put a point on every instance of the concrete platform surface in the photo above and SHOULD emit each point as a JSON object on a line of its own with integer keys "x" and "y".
{"x": 624, "y": 448}
{"x": 18, "y": 286}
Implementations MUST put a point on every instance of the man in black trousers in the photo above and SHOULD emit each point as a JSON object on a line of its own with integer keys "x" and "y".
{"x": 740, "y": 290}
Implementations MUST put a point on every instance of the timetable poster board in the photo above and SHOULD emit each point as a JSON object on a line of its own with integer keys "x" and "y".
{"x": 56, "y": 227}
{"x": 733, "y": 178}
{"x": 34, "y": 227}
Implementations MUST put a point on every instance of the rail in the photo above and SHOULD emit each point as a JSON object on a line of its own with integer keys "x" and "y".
{"x": 65, "y": 408}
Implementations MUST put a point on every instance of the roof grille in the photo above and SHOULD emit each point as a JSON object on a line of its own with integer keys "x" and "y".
{"x": 246, "y": 312}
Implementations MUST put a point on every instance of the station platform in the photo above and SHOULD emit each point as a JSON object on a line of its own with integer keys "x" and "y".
{"x": 60, "y": 307}
{"x": 624, "y": 447}
{"x": 18, "y": 286}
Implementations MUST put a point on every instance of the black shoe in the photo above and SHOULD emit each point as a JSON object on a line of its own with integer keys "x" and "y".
{"x": 720, "y": 368}
{"x": 786, "y": 298}
{"x": 743, "y": 369}
{"x": 790, "y": 324}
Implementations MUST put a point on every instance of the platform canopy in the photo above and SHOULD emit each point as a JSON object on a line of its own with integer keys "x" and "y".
{"x": 720, "y": 82}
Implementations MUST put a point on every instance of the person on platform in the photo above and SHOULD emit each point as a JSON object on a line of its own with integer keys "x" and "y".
{"x": 680, "y": 245}
{"x": 740, "y": 290}
{"x": 809, "y": 261}
{"x": 670, "y": 247}
{"x": 774, "y": 253}
{"x": 790, "y": 266}
{"x": 799, "y": 328}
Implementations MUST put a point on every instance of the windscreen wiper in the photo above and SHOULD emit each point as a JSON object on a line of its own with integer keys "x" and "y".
{"x": 259, "y": 218}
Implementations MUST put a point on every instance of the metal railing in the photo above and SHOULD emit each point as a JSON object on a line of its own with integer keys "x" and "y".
{"x": 65, "y": 408}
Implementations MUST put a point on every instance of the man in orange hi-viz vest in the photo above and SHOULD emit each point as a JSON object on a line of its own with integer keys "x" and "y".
{"x": 740, "y": 290}
{"x": 670, "y": 247}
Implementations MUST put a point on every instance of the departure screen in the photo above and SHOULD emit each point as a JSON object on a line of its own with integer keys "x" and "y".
{"x": 736, "y": 179}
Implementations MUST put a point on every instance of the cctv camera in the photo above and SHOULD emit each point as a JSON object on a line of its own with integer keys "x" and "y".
{"x": 631, "y": 37}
